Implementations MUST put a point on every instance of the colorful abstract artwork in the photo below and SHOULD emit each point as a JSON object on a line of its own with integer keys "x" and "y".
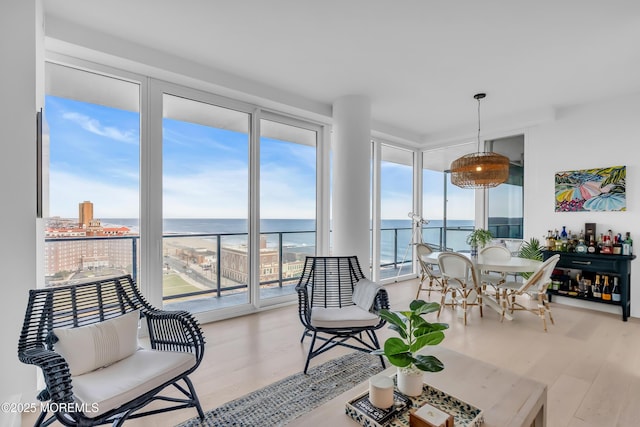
{"x": 601, "y": 189}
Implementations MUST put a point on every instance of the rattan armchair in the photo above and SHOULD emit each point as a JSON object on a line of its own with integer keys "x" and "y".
{"x": 427, "y": 271}
{"x": 535, "y": 287}
{"x": 176, "y": 341}
{"x": 327, "y": 309}
{"x": 460, "y": 280}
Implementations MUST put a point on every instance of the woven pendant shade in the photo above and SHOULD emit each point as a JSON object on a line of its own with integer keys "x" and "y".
{"x": 481, "y": 169}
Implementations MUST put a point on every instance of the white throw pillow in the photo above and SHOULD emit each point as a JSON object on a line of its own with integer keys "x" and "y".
{"x": 364, "y": 293}
{"x": 87, "y": 348}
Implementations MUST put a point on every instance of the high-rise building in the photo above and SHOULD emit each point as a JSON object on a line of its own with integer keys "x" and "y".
{"x": 85, "y": 215}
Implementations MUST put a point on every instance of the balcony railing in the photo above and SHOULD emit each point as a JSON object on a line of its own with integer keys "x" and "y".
{"x": 202, "y": 261}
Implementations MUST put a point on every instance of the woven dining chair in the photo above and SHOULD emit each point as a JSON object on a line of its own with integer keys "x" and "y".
{"x": 459, "y": 277}
{"x": 427, "y": 271}
{"x": 535, "y": 287}
{"x": 493, "y": 253}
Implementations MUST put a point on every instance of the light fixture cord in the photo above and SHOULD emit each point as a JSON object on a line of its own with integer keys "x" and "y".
{"x": 478, "y": 125}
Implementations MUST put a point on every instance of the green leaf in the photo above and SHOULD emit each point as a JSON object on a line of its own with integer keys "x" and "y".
{"x": 393, "y": 318}
{"x": 401, "y": 360}
{"x": 430, "y": 327}
{"x": 394, "y": 346}
{"x": 426, "y": 307}
{"x": 428, "y": 363}
{"x": 401, "y": 331}
{"x": 432, "y": 338}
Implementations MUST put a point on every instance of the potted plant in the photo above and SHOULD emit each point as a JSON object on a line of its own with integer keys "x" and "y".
{"x": 530, "y": 250}
{"x": 478, "y": 238}
{"x": 414, "y": 334}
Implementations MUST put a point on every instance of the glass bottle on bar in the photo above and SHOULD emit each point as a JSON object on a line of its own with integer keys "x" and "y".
{"x": 582, "y": 288}
{"x": 627, "y": 246}
{"x": 606, "y": 289}
{"x": 592, "y": 245}
{"x": 615, "y": 291}
{"x": 596, "y": 291}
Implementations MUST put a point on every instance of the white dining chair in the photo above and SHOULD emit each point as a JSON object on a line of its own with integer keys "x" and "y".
{"x": 489, "y": 254}
{"x": 427, "y": 271}
{"x": 459, "y": 277}
{"x": 535, "y": 287}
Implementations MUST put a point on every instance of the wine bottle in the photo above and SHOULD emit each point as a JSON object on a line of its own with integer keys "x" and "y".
{"x": 592, "y": 245}
{"x": 606, "y": 290}
{"x": 597, "y": 293}
{"x": 615, "y": 292}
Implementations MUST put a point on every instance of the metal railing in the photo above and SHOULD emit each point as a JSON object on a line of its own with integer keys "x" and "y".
{"x": 396, "y": 248}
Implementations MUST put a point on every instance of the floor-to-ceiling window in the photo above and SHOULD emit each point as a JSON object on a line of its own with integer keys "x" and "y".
{"x": 448, "y": 210}
{"x": 288, "y": 181}
{"x": 222, "y": 194}
{"x": 396, "y": 204}
{"x": 505, "y": 202}
{"x": 205, "y": 204}
{"x": 91, "y": 175}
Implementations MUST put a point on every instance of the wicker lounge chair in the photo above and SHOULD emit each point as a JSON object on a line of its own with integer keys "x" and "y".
{"x": 337, "y": 304}
{"x": 93, "y": 383}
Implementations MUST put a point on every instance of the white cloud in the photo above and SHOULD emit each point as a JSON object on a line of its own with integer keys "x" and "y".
{"x": 109, "y": 200}
{"x": 94, "y": 126}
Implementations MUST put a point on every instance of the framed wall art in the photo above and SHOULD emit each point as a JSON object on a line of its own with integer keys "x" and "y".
{"x": 591, "y": 190}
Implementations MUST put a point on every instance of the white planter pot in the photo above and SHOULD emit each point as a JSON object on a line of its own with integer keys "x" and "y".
{"x": 410, "y": 381}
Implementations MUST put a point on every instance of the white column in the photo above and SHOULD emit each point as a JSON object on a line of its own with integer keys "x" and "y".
{"x": 21, "y": 42}
{"x": 351, "y": 144}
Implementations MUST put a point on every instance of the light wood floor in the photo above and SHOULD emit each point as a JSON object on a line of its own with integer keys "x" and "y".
{"x": 589, "y": 360}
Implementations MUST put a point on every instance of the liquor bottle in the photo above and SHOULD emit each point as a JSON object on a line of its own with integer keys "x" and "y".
{"x": 607, "y": 244}
{"x": 558, "y": 240}
{"x": 627, "y": 245}
{"x": 563, "y": 233}
{"x": 551, "y": 242}
{"x": 582, "y": 288}
{"x": 592, "y": 245}
{"x": 615, "y": 292}
{"x": 617, "y": 244}
{"x": 581, "y": 248}
{"x": 606, "y": 290}
{"x": 600, "y": 243}
{"x": 597, "y": 293}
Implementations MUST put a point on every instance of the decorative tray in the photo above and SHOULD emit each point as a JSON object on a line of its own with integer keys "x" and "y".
{"x": 464, "y": 414}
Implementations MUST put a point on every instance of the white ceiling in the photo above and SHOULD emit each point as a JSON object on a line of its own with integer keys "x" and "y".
{"x": 419, "y": 61}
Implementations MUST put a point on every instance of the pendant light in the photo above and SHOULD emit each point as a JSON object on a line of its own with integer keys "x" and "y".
{"x": 480, "y": 169}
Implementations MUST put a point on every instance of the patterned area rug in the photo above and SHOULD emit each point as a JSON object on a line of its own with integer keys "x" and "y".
{"x": 280, "y": 402}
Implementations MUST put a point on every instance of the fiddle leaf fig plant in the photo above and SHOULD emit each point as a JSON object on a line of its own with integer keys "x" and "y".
{"x": 414, "y": 333}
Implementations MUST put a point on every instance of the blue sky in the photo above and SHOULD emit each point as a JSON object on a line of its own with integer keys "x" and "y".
{"x": 95, "y": 155}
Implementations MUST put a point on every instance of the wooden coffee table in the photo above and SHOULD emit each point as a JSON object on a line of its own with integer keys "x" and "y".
{"x": 506, "y": 399}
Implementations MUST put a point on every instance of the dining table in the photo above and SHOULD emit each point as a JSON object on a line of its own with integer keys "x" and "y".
{"x": 480, "y": 263}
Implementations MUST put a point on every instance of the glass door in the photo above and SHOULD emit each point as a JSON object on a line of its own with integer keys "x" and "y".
{"x": 205, "y": 164}
{"x": 287, "y": 203}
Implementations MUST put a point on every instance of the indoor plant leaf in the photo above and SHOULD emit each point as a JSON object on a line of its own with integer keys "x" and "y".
{"x": 428, "y": 363}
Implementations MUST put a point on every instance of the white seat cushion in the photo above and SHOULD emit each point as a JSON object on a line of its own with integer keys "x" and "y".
{"x": 108, "y": 388}
{"x": 345, "y": 317}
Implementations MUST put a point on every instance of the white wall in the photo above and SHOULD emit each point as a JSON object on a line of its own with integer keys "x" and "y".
{"x": 20, "y": 51}
{"x": 599, "y": 134}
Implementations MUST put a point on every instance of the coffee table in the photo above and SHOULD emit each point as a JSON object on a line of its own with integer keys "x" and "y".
{"x": 506, "y": 399}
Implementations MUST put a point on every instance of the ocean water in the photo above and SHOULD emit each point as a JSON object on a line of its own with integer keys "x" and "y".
{"x": 396, "y": 235}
